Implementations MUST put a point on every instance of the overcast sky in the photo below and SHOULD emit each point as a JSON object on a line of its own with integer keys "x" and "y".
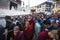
{"x": 33, "y": 2}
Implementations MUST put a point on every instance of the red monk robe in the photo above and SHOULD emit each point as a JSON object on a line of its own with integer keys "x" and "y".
{"x": 19, "y": 36}
{"x": 28, "y": 33}
{"x": 44, "y": 36}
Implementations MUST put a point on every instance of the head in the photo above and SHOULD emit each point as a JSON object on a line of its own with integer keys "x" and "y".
{"x": 16, "y": 29}
{"x": 38, "y": 18}
{"x": 46, "y": 23}
{"x": 8, "y": 18}
{"x": 27, "y": 23}
{"x": 29, "y": 18}
{"x": 52, "y": 31}
{"x": 51, "y": 21}
{"x": 14, "y": 18}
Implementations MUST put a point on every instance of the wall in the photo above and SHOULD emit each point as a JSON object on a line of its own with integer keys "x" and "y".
{"x": 4, "y": 4}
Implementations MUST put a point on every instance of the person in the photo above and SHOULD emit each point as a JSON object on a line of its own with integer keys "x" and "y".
{"x": 28, "y": 31}
{"x": 43, "y": 35}
{"x": 37, "y": 28}
{"x": 46, "y": 24}
{"x": 52, "y": 19}
{"x": 14, "y": 21}
{"x": 48, "y": 34}
{"x": 9, "y": 27}
{"x": 18, "y": 35}
{"x": 20, "y": 24}
{"x": 2, "y": 36}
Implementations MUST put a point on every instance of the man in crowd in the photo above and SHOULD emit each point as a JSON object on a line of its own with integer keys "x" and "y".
{"x": 9, "y": 27}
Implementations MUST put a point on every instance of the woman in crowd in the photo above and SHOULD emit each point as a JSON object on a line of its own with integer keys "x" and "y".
{"x": 18, "y": 35}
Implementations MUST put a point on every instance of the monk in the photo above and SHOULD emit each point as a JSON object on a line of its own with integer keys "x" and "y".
{"x": 28, "y": 32}
{"x": 18, "y": 35}
{"x": 43, "y": 35}
{"x": 48, "y": 34}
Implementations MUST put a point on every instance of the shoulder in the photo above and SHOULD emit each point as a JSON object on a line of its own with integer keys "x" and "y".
{"x": 21, "y": 32}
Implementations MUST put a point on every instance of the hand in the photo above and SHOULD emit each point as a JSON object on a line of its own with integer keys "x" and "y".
{"x": 5, "y": 32}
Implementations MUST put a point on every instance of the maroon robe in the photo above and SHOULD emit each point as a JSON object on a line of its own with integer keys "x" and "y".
{"x": 28, "y": 34}
{"x": 59, "y": 25}
{"x": 19, "y": 36}
{"x": 44, "y": 36}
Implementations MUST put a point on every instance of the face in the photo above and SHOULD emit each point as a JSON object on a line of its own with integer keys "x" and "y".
{"x": 50, "y": 34}
{"x": 16, "y": 29}
{"x": 52, "y": 22}
{"x": 27, "y": 24}
{"x": 29, "y": 18}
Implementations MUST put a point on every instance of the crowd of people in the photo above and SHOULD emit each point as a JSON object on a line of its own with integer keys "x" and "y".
{"x": 32, "y": 27}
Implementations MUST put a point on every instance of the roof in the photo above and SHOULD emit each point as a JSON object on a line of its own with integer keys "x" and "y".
{"x": 16, "y": 2}
{"x": 46, "y": 2}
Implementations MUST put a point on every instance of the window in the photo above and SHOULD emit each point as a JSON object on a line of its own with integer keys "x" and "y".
{"x": 37, "y": 6}
{"x": 48, "y": 9}
{"x": 48, "y": 5}
{"x": 40, "y": 6}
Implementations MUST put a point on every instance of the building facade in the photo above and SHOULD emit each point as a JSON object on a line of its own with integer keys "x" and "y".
{"x": 14, "y": 8}
{"x": 9, "y": 4}
{"x": 4, "y": 4}
{"x": 45, "y": 7}
{"x": 57, "y": 6}
{"x": 13, "y": 5}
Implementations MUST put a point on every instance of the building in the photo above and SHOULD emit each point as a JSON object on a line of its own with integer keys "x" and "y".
{"x": 51, "y": 1}
{"x": 13, "y": 5}
{"x": 45, "y": 7}
{"x": 4, "y": 4}
{"x": 57, "y": 6}
{"x": 9, "y": 4}
{"x": 8, "y": 9}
